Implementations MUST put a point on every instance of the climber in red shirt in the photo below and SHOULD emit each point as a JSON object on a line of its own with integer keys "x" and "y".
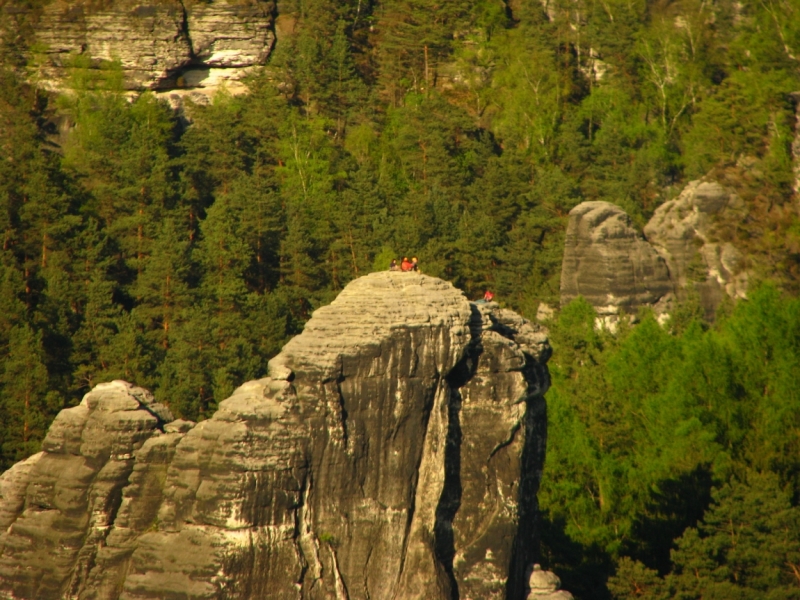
{"x": 406, "y": 265}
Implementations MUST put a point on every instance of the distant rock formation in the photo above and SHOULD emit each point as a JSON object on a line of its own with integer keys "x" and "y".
{"x": 393, "y": 452}
{"x": 617, "y": 269}
{"x": 684, "y": 231}
{"x": 166, "y": 45}
{"x": 544, "y": 585}
{"x": 796, "y": 146}
{"x": 608, "y": 262}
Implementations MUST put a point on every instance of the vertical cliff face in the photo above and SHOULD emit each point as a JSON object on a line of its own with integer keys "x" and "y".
{"x": 393, "y": 452}
{"x": 183, "y": 46}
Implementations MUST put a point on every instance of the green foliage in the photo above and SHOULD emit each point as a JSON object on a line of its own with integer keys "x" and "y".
{"x": 644, "y": 423}
{"x": 27, "y": 406}
{"x": 746, "y": 547}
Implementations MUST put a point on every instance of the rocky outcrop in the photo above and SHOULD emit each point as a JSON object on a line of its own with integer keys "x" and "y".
{"x": 393, "y": 451}
{"x": 608, "y": 262}
{"x": 618, "y": 270}
{"x": 167, "y": 45}
{"x": 544, "y": 585}
{"x": 796, "y": 144}
{"x": 688, "y": 232}
{"x": 58, "y": 506}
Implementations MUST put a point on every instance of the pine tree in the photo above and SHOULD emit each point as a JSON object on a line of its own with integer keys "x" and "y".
{"x": 746, "y": 547}
{"x": 27, "y": 406}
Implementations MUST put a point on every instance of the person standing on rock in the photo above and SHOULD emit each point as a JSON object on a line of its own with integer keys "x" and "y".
{"x": 488, "y": 296}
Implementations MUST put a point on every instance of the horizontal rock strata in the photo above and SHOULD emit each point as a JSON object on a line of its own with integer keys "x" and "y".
{"x": 165, "y": 45}
{"x": 393, "y": 452}
{"x": 608, "y": 262}
{"x": 618, "y": 270}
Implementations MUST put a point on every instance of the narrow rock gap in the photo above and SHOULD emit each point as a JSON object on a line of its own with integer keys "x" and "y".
{"x": 511, "y": 437}
{"x": 427, "y": 409}
{"x": 185, "y": 30}
{"x": 450, "y": 500}
{"x": 524, "y": 550}
{"x": 342, "y": 412}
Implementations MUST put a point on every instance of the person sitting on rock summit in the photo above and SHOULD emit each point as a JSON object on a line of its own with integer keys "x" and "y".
{"x": 414, "y": 264}
{"x": 488, "y": 296}
{"x": 393, "y": 266}
{"x": 406, "y": 265}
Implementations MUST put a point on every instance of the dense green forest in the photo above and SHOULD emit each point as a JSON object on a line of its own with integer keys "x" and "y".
{"x": 682, "y": 438}
{"x": 180, "y": 252}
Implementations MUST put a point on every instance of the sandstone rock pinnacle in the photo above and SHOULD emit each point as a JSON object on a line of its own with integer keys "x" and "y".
{"x": 684, "y": 232}
{"x": 393, "y": 452}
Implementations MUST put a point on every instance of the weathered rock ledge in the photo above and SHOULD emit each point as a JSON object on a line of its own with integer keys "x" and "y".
{"x": 393, "y": 452}
{"x": 182, "y": 46}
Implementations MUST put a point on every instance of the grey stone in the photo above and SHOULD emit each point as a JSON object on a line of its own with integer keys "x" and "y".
{"x": 684, "y": 232}
{"x": 608, "y": 262}
{"x": 179, "y": 426}
{"x": 13, "y": 489}
{"x": 394, "y": 451}
{"x": 544, "y": 585}
{"x": 71, "y": 492}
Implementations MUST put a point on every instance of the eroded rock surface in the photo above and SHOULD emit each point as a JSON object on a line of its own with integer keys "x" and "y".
{"x": 59, "y": 506}
{"x": 544, "y": 585}
{"x": 688, "y": 233}
{"x": 608, "y": 262}
{"x": 796, "y": 146}
{"x": 684, "y": 247}
{"x": 169, "y": 44}
{"x": 394, "y": 451}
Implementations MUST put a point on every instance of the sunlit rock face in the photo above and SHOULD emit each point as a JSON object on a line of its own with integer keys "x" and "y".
{"x": 186, "y": 47}
{"x": 684, "y": 249}
{"x": 687, "y": 233}
{"x": 394, "y": 450}
{"x": 608, "y": 262}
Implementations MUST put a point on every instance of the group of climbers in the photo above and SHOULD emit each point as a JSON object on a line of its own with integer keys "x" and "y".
{"x": 413, "y": 265}
{"x": 405, "y": 266}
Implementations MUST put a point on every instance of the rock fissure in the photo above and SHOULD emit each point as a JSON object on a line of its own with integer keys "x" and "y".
{"x": 503, "y": 444}
{"x": 450, "y": 499}
{"x": 184, "y": 31}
